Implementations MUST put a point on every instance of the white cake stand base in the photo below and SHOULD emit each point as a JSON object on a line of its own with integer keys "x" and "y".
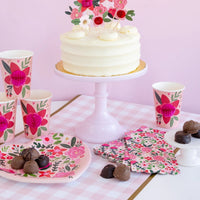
{"x": 100, "y": 127}
{"x": 189, "y": 154}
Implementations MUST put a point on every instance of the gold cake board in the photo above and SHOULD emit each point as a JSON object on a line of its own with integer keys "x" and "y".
{"x": 142, "y": 66}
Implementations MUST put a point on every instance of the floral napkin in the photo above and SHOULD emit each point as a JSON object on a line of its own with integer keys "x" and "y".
{"x": 144, "y": 150}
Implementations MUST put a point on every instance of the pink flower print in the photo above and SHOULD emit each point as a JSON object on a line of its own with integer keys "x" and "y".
{"x": 76, "y": 14}
{"x": 167, "y": 108}
{"x": 146, "y": 149}
{"x": 99, "y": 10}
{"x": 133, "y": 162}
{"x": 2, "y": 155}
{"x": 76, "y": 152}
{"x": 159, "y": 158}
{"x": 34, "y": 119}
{"x": 112, "y": 11}
{"x": 117, "y": 143}
{"x": 45, "y": 173}
{"x": 64, "y": 174}
{"x": 57, "y": 151}
{"x": 148, "y": 134}
{"x": 120, "y": 4}
{"x": 47, "y": 140}
{"x": 17, "y": 77}
{"x": 105, "y": 145}
{"x": 5, "y": 122}
{"x": 86, "y": 4}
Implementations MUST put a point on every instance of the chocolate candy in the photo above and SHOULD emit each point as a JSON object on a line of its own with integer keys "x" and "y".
{"x": 191, "y": 127}
{"x": 182, "y": 137}
{"x": 42, "y": 161}
{"x": 122, "y": 172}
{"x": 196, "y": 135}
{"x": 17, "y": 162}
{"x": 107, "y": 171}
{"x": 31, "y": 167}
{"x": 30, "y": 154}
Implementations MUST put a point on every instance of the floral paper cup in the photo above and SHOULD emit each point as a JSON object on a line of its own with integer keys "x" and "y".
{"x": 16, "y": 68}
{"x": 168, "y": 100}
{"x": 7, "y": 118}
{"x": 36, "y": 113}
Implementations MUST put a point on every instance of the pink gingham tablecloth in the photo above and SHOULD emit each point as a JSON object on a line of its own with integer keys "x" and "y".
{"x": 90, "y": 185}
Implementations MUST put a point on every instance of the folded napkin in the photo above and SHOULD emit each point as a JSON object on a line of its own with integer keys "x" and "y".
{"x": 143, "y": 150}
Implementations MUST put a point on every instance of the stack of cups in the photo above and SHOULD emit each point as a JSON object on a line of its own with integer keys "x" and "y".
{"x": 16, "y": 70}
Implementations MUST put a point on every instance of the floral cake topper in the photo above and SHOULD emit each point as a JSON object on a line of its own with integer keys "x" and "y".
{"x": 98, "y": 12}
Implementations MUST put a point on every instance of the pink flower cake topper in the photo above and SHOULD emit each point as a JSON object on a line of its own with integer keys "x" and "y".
{"x": 99, "y": 11}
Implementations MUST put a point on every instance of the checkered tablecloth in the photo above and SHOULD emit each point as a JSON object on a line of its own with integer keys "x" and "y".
{"x": 90, "y": 185}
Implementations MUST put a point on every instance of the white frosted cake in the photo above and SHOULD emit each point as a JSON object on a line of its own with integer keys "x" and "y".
{"x": 101, "y": 51}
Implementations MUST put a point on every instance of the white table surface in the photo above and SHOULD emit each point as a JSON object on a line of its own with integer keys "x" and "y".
{"x": 185, "y": 186}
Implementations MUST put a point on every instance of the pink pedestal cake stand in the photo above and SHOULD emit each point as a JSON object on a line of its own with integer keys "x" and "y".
{"x": 100, "y": 127}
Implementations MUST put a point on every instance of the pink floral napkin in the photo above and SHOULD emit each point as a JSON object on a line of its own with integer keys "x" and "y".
{"x": 144, "y": 150}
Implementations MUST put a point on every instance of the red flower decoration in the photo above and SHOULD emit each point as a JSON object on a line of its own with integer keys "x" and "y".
{"x": 121, "y": 14}
{"x": 86, "y": 4}
{"x": 17, "y": 77}
{"x": 98, "y": 20}
{"x": 5, "y": 122}
{"x": 167, "y": 109}
{"x": 57, "y": 151}
{"x": 45, "y": 173}
{"x": 34, "y": 119}
{"x": 2, "y": 155}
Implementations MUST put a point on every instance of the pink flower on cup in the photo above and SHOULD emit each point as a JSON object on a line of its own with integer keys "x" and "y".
{"x": 120, "y": 4}
{"x": 167, "y": 108}
{"x": 76, "y": 14}
{"x": 34, "y": 119}
{"x": 99, "y": 10}
{"x": 18, "y": 77}
{"x": 5, "y": 122}
{"x": 76, "y": 152}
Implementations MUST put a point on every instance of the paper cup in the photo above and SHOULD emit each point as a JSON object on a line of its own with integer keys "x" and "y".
{"x": 36, "y": 113}
{"x": 7, "y": 118}
{"x": 16, "y": 68}
{"x": 168, "y": 100}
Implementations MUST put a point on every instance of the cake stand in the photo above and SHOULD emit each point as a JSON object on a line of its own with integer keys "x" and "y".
{"x": 189, "y": 153}
{"x": 100, "y": 127}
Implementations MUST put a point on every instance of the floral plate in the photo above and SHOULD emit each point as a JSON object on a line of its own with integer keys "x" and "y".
{"x": 69, "y": 159}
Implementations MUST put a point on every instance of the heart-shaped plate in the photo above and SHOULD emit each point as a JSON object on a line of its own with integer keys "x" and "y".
{"x": 69, "y": 159}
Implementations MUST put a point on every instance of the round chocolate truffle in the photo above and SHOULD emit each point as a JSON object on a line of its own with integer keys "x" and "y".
{"x": 42, "y": 161}
{"x": 30, "y": 154}
{"x": 31, "y": 167}
{"x": 122, "y": 172}
{"x": 107, "y": 171}
{"x": 191, "y": 127}
{"x": 196, "y": 135}
{"x": 17, "y": 162}
{"x": 182, "y": 137}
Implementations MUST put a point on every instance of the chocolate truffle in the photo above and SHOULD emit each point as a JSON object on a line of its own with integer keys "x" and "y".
{"x": 17, "y": 162}
{"x": 191, "y": 127}
{"x": 30, "y": 154}
{"x": 42, "y": 161}
{"x": 107, "y": 171}
{"x": 122, "y": 172}
{"x": 196, "y": 135}
{"x": 31, "y": 167}
{"x": 182, "y": 137}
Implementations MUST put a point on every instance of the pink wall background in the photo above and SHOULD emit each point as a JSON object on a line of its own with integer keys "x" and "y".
{"x": 170, "y": 46}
